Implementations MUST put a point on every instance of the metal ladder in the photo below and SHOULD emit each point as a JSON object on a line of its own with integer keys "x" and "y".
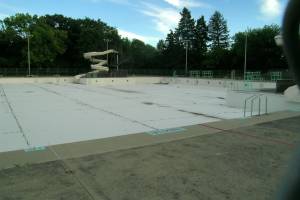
{"x": 252, "y": 100}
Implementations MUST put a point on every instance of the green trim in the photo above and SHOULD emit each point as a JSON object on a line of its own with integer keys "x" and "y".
{"x": 165, "y": 131}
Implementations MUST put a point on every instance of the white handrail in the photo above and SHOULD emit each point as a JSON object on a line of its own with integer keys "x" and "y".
{"x": 245, "y": 104}
{"x": 252, "y": 99}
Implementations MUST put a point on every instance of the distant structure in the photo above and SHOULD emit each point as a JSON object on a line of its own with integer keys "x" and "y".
{"x": 99, "y": 65}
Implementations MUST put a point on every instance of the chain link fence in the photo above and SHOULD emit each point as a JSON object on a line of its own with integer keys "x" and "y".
{"x": 41, "y": 71}
{"x": 72, "y": 71}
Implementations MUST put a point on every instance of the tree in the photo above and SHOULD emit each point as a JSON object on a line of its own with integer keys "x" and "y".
{"x": 174, "y": 51}
{"x": 11, "y": 45}
{"x": 262, "y": 52}
{"x": 218, "y": 32}
{"x": 201, "y": 36}
{"x": 201, "y": 39}
{"x": 161, "y": 46}
{"x": 186, "y": 28}
{"x": 46, "y": 44}
{"x": 20, "y": 23}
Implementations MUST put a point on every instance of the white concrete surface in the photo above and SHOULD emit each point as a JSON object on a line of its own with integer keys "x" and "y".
{"x": 43, "y": 114}
{"x": 292, "y": 94}
{"x": 21, "y": 80}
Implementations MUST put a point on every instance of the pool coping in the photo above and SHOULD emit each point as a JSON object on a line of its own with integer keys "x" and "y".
{"x": 99, "y": 146}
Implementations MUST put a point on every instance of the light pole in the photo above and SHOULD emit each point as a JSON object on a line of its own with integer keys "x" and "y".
{"x": 186, "y": 56}
{"x": 117, "y": 61}
{"x": 245, "y": 61}
{"x": 107, "y": 41}
{"x": 28, "y": 53}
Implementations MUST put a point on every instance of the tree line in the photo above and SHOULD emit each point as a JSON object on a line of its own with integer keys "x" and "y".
{"x": 59, "y": 41}
{"x": 210, "y": 46}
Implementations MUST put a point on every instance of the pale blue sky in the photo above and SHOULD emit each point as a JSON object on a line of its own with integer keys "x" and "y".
{"x": 151, "y": 20}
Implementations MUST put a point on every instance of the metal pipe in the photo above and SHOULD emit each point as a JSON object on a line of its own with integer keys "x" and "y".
{"x": 245, "y": 107}
{"x": 252, "y": 101}
{"x": 117, "y": 62}
{"x": 186, "y": 57}
{"x": 245, "y": 61}
{"x": 266, "y": 105}
{"x": 259, "y": 102}
{"x": 107, "y": 50}
{"x": 28, "y": 54}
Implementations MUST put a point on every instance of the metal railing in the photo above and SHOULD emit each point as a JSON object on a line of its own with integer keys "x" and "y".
{"x": 252, "y": 99}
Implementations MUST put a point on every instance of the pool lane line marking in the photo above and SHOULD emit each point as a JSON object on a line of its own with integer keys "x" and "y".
{"x": 79, "y": 102}
{"x": 92, "y": 91}
{"x": 182, "y": 110}
{"x": 15, "y": 117}
{"x": 244, "y": 134}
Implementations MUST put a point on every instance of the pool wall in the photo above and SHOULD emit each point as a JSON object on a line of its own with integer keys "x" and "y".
{"x": 275, "y": 102}
{"x": 223, "y": 83}
{"x": 23, "y": 80}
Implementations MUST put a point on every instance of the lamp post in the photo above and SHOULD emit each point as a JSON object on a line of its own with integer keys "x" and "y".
{"x": 28, "y": 53}
{"x": 107, "y": 41}
{"x": 245, "y": 59}
{"x": 186, "y": 55}
{"x": 117, "y": 61}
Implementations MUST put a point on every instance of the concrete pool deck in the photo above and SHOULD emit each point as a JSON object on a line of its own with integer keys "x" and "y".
{"x": 105, "y": 145}
{"x": 231, "y": 159}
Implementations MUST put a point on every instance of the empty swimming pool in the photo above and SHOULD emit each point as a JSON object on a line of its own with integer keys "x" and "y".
{"x": 35, "y": 115}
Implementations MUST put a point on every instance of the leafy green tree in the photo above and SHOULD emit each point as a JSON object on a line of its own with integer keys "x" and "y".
{"x": 141, "y": 53}
{"x": 20, "y": 23}
{"x": 218, "y": 31}
{"x": 16, "y": 29}
{"x": 11, "y": 45}
{"x": 219, "y": 59}
{"x": 46, "y": 44}
{"x": 262, "y": 52}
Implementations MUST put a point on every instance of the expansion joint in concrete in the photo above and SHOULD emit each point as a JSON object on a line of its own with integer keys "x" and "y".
{"x": 21, "y": 130}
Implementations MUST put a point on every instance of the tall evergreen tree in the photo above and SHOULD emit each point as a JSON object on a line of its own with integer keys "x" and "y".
{"x": 170, "y": 40}
{"x": 173, "y": 51}
{"x": 161, "y": 45}
{"x": 186, "y": 28}
{"x": 201, "y": 36}
{"x": 218, "y": 32}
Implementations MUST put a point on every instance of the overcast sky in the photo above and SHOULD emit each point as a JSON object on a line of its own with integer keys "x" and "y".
{"x": 151, "y": 20}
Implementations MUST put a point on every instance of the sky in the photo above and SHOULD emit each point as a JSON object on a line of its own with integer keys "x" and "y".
{"x": 151, "y": 21}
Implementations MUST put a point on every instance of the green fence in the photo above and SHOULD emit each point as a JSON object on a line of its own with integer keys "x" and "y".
{"x": 275, "y": 76}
